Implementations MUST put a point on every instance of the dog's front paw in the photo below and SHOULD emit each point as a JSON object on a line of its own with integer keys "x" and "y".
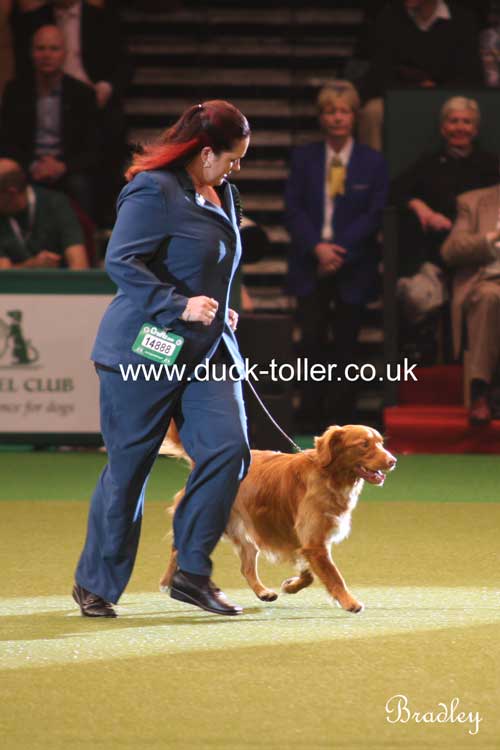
{"x": 267, "y": 595}
{"x": 350, "y": 604}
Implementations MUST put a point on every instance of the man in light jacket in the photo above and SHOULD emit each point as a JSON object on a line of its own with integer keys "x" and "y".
{"x": 473, "y": 250}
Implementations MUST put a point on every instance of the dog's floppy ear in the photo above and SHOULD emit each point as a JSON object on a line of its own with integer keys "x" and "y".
{"x": 327, "y": 445}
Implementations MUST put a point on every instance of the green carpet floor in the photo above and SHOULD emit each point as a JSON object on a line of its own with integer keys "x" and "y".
{"x": 298, "y": 673}
{"x": 72, "y": 476}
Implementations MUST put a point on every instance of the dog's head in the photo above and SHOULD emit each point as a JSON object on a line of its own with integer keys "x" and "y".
{"x": 355, "y": 451}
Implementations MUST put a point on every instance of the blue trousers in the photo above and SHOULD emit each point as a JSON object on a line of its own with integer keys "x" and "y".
{"x": 134, "y": 418}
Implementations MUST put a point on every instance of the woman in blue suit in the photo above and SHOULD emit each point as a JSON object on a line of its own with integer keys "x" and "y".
{"x": 173, "y": 253}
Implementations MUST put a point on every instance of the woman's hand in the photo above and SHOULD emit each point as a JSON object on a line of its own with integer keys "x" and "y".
{"x": 200, "y": 310}
{"x": 330, "y": 257}
{"x": 233, "y": 319}
{"x": 43, "y": 259}
{"x": 440, "y": 222}
{"x": 48, "y": 168}
{"x": 422, "y": 211}
{"x": 428, "y": 218}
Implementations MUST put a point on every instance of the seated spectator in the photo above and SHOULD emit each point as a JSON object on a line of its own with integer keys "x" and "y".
{"x": 335, "y": 194}
{"x": 48, "y": 122}
{"x": 6, "y": 55}
{"x": 92, "y": 34}
{"x": 255, "y": 246}
{"x": 418, "y": 43}
{"x": 365, "y": 43}
{"x": 97, "y": 57}
{"x": 473, "y": 252}
{"x": 490, "y": 50}
{"x": 427, "y": 190}
{"x": 255, "y": 243}
{"x": 426, "y": 193}
{"x": 38, "y": 228}
{"x": 482, "y": 9}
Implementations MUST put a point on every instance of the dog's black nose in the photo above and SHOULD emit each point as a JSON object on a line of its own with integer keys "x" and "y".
{"x": 392, "y": 462}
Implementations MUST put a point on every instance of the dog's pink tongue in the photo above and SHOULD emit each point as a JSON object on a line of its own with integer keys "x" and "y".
{"x": 374, "y": 477}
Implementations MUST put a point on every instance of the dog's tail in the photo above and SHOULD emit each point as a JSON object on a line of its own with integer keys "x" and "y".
{"x": 172, "y": 445}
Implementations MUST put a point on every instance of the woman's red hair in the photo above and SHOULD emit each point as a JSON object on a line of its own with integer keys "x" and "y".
{"x": 216, "y": 123}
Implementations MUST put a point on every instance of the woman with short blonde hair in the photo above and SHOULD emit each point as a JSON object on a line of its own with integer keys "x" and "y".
{"x": 330, "y": 94}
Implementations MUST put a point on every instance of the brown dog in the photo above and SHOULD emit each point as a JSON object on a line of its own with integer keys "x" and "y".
{"x": 295, "y": 506}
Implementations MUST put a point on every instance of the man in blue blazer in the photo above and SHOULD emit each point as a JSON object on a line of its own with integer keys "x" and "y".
{"x": 335, "y": 195}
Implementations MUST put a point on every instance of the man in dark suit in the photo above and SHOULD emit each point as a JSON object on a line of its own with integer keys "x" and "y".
{"x": 97, "y": 32}
{"x": 49, "y": 122}
{"x": 335, "y": 195}
{"x": 96, "y": 55}
{"x": 418, "y": 44}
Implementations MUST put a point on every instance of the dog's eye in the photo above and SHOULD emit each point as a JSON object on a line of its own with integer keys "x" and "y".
{"x": 366, "y": 443}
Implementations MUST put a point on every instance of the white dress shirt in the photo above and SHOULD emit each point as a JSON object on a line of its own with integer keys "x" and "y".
{"x": 48, "y": 133}
{"x": 69, "y": 21}
{"x": 343, "y": 156}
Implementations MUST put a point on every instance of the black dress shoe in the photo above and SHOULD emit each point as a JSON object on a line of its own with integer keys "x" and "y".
{"x": 92, "y": 605}
{"x": 205, "y": 595}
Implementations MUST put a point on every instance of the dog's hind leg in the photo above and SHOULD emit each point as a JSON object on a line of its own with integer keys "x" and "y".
{"x": 167, "y": 576}
{"x": 295, "y": 584}
{"x": 172, "y": 563}
{"x": 249, "y": 554}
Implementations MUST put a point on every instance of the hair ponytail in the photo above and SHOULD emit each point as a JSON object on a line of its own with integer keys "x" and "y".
{"x": 216, "y": 123}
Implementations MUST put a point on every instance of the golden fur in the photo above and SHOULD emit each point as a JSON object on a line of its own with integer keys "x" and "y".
{"x": 295, "y": 506}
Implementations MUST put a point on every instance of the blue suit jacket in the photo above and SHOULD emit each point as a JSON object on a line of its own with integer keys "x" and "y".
{"x": 357, "y": 218}
{"x": 166, "y": 247}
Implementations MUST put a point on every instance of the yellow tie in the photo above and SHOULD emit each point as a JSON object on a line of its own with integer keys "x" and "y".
{"x": 336, "y": 178}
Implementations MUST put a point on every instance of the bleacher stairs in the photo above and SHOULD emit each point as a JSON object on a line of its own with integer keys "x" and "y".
{"x": 269, "y": 59}
{"x": 430, "y": 417}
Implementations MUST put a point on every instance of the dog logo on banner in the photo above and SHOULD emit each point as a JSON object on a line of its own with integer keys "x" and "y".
{"x": 15, "y": 349}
